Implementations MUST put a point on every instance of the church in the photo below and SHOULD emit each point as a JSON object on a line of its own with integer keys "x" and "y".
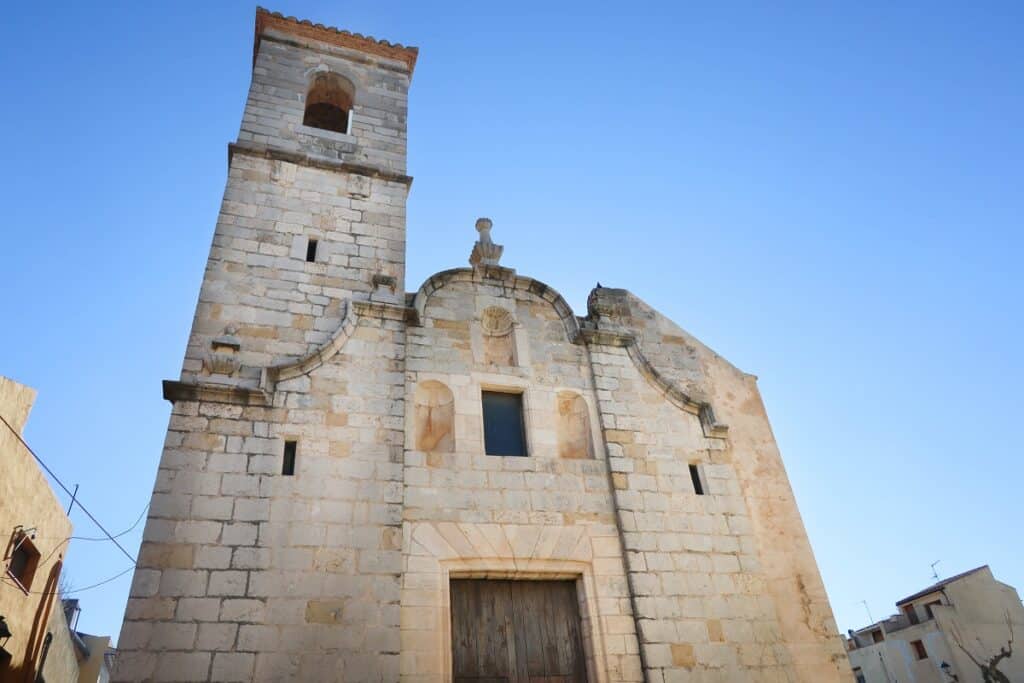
{"x": 460, "y": 480}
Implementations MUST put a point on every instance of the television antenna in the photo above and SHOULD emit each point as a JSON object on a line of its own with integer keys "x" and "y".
{"x": 935, "y": 574}
{"x": 871, "y": 619}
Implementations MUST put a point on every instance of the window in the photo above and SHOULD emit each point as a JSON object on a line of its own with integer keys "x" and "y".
{"x": 919, "y": 650}
{"x": 859, "y": 675}
{"x": 928, "y": 608}
{"x": 503, "y": 423}
{"x": 23, "y": 561}
{"x": 877, "y": 635}
{"x": 288, "y": 462}
{"x": 311, "y": 250}
{"x": 329, "y": 103}
{"x": 911, "y": 614}
{"x": 698, "y": 487}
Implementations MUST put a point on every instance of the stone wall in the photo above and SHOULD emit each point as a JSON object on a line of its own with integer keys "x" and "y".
{"x": 257, "y": 280}
{"x": 287, "y": 184}
{"x": 543, "y": 516}
{"x": 748, "y": 569}
{"x": 246, "y": 574}
{"x": 62, "y": 658}
{"x": 276, "y": 102}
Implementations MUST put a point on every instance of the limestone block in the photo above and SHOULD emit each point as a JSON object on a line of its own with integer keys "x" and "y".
{"x": 233, "y": 666}
{"x": 181, "y": 666}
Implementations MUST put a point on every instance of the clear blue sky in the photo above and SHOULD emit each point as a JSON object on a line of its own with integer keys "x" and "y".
{"x": 829, "y": 197}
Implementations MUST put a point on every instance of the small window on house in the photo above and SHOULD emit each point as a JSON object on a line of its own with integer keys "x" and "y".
{"x": 911, "y": 614}
{"x": 877, "y": 635}
{"x": 698, "y": 487}
{"x": 919, "y": 650}
{"x": 859, "y": 675}
{"x": 311, "y": 250}
{"x": 23, "y": 561}
{"x": 288, "y": 462}
{"x": 503, "y": 423}
{"x": 329, "y": 103}
{"x": 928, "y": 608}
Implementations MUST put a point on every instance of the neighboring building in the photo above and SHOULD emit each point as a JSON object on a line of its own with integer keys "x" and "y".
{"x": 961, "y": 629}
{"x": 72, "y": 656}
{"x": 464, "y": 482}
{"x": 34, "y": 530}
{"x": 93, "y": 654}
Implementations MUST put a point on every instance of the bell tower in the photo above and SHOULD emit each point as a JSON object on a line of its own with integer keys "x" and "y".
{"x": 314, "y": 209}
{"x": 272, "y": 549}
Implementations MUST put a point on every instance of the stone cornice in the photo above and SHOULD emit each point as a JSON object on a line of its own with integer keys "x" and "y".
{"x": 354, "y": 312}
{"x": 301, "y": 28}
{"x": 265, "y": 152}
{"x": 702, "y": 409}
{"x": 508, "y": 278}
{"x": 175, "y": 391}
{"x": 594, "y": 336}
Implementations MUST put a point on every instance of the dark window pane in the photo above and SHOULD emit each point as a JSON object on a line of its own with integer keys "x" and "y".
{"x": 503, "y": 423}
{"x": 19, "y": 563}
{"x": 288, "y": 464}
{"x": 311, "y": 251}
{"x": 695, "y": 478}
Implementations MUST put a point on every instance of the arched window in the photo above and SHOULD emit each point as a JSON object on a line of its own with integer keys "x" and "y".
{"x": 329, "y": 103}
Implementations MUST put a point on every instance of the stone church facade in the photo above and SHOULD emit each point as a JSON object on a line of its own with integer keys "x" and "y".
{"x": 467, "y": 482}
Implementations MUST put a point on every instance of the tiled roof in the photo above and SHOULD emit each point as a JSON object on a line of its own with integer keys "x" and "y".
{"x": 304, "y": 28}
{"x": 939, "y": 585}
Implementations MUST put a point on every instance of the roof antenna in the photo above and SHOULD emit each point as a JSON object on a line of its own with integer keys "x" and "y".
{"x": 868, "y": 609}
{"x": 935, "y": 574}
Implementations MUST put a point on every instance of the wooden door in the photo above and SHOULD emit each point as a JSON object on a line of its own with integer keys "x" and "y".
{"x": 516, "y": 632}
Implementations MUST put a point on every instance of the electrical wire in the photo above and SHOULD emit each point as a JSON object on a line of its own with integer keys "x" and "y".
{"x": 45, "y": 560}
{"x": 103, "y": 538}
{"x": 57, "y": 591}
{"x": 74, "y": 500}
{"x": 97, "y": 585}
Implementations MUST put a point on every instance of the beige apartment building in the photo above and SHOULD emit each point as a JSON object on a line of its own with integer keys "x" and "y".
{"x": 38, "y": 640}
{"x": 34, "y": 531}
{"x": 963, "y": 629}
{"x": 462, "y": 481}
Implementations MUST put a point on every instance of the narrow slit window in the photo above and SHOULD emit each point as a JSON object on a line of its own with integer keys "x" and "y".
{"x": 288, "y": 462}
{"x": 503, "y": 424}
{"x": 311, "y": 250}
{"x": 698, "y": 487}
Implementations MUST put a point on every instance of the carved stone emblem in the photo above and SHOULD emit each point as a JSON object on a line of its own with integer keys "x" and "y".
{"x": 358, "y": 186}
{"x": 496, "y": 321}
{"x": 223, "y": 357}
{"x": 499, "y": 344}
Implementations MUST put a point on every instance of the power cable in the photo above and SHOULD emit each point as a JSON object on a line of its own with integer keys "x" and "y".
{"x": 66, "y": 490}
{"x": 74, "y": 590}
{"x": 128, "y": 530}
{"x": 97, "y": 585}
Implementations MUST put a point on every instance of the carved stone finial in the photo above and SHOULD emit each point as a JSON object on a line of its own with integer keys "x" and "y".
{"x": 485, "y": 252}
